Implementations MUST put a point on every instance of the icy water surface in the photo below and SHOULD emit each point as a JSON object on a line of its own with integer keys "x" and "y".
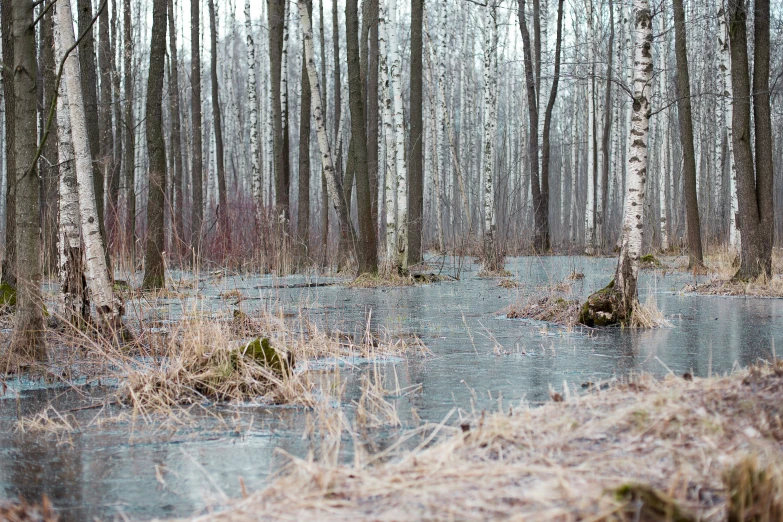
{"x": 127, "y": 468}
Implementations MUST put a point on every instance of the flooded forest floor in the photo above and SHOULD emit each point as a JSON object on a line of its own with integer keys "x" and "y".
{"x": 246, "y": 385}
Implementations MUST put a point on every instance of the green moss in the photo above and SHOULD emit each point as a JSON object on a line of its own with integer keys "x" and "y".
{"x": 650, "y": 260}
{"x": 600, "y": 308}
{"x": 263, "y": 353}
{"x": 7, "y": 295}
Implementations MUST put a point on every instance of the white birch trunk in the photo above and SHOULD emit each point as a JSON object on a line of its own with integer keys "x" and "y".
{"x": 490, "y": 133}
{"x": 662, "y": 126}
{"x": 631, "y": 244}
{"x": 725, "y": 67}
{"x": 399, "y": 135}
{"x": 590, "y": 205}
{"x": 98, "y": 279}
{"x": 390, "y": 175}
{"x": 69, "y": 235}
{"x": 332, "y": 183}
{"x": 252, "y": 101}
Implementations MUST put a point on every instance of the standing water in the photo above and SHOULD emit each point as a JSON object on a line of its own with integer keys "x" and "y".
{"x": 126, "y": 467}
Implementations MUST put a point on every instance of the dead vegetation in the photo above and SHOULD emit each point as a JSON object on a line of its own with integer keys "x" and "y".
{"x": 23, "y": 511}
{"x": 760, "y": 287}
{"x": 395, "y": 279}
{"x": 552, "y": 306}
{"x": 203, "y": 361}
{"x": 676, "y": 449}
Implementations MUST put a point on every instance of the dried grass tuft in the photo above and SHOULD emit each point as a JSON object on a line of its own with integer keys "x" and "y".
{"x": 760, "y": 287}
{"x": 648, "y": 315}
{"x": 642, "y": 450}
{"x": 755, "y": 491}
{"x": 509, "y": 284}
{"x": 23, "y": 511}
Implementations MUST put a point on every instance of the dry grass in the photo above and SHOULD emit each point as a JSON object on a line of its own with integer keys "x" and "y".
{"x": 552, "y": 307}
{"x": 643, "y": 450}
{"x": 202, "y": 361}
{"x": 48, "y": 421}
{"x": 492, "y": 274}
{"x": 509, "y": 284}
{"x": 390, "y": 279}
{"x": 23, "y": 511}
{"x": 648, "y": 315}
{"x": 760, "y": 287}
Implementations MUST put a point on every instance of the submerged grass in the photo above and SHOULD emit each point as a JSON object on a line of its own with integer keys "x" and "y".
{"x": 675, "y": 449}
{"x": 759, "y": 287}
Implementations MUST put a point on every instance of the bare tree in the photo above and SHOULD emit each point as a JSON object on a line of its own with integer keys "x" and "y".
{"x": 223, "y": 225}
{"x": 416, "y": 163}
{"x": 154, "y": 264}
{"x": 754, "y": 182}
{"x": 197, "y": 154}
{"x": 686, "y": 138}
{"x": 175, "y": 138}
{"x": 303, "y": 217}
{"x": 9, "y": 254}
{"x": 27, "y": 341}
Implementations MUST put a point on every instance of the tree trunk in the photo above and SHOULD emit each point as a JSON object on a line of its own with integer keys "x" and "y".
{"x": 754, "y": 182}
{"x": 176, "y": 140}
{"x": 27, "y": 341}
{"x": 686, "y": 138}
{"x": 197, "y": 153}
{"x": 224, "y": 230}
{"x": 590, "y": 243}
{"x": 616, "y": 302}
{"x": 48, "y": 165}
{"x": 73, "y": 284}
{"x": 371, "y": 96}
{"x": 98, "y": 279}
{"x": 493, "y": 257}
{"x": 252, "y": 101}
{"x": 335, "y": 189}
{"x": 154, "y": 264}
{"x": 89, "y": 79}
{"x": 416, "y": 172}
{"x": 390, "y": 175}
{"x": 399, "y": 146}
{"x": 368, "y": 253}
{"x": 130, "y": 135}
{"x": 324, "y": 183}
{"x": 606, "y": 145}
{"x": 106, "y": 150}
{"x": 303, "y": 217}
{"x": 725, "y": 69}
{"x": 9, "y": 254}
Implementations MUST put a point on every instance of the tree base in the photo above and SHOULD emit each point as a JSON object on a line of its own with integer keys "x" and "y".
{"x": 603, "y": 308}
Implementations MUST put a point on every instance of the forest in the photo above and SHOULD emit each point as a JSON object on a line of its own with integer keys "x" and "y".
{"x": 381, "y": 259}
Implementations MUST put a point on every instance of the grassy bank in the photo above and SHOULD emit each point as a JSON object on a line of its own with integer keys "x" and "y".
{"x": 681, "y": 448}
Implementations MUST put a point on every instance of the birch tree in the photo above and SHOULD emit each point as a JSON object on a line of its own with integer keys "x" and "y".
{"x": 108, "y": 306}
{"x": 252, "y": 102}
{"x": 616, "y": 303}
{"x": 395, "y": 62}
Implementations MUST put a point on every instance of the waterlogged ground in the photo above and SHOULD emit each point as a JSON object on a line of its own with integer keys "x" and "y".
{"x": 124, "y": 467}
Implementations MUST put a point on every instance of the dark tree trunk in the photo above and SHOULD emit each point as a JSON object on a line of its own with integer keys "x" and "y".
{"x": 106, "y": 151}
{"x": 130, "y": 134}
{"x": 370, "y": 84}
{"x": 416, "y": 163}
{"x": 154, "y": 274}
{"x": 89, "y": 80}
{"x": 695, "y": 259}
{"x": 543, "y": 207}
{"x": 196, "y": 165}
{"x": 114, "y": 182}
{"x": 48, "y": 165}
{"x": 9, "y": 257}
{"x": 176, "y": 141}
{"x": 27, "y": 341}
{"x": 303, "y": 217}
{"x": 223, "y": 225}
{"x": 368, "y": 252}
{"x": 754, "y": 182}
{"x": 276, "y": 22}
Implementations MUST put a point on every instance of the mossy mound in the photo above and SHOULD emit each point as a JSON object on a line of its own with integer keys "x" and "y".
{"x": 261, "y": 351}
{"x": 7, "y": 295}
{"x": 649, "y": 261}
{"x": 601, "y": 307}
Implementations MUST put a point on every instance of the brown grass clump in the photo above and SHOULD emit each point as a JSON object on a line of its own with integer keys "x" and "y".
{"x": 509, "y": 284}
{"x": 754, "y": 491}
{"x": 24, "y": 512}
{"x": 203, "y": 361}
{"x": 648, "y": 315}
{"x": 47, "y": 420}
{"x": 492, "y": 274}
{"x": 643, "y": 450}
{"x": 553, "y": 307}
{"x": 760, "y": 287}
{"x": 381, "y": 280}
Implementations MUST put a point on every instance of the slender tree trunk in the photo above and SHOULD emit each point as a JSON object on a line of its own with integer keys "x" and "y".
{"x": 607, "y": 131}
{"x": 324, "y": 183}
{"x": 176, "y": 139}
{"x": 416, "y": 172}
{"x": 390, "y": 175}
{"x": 590, "y": 243}
{"x": 252, "y": 101}
{"x": 725, "y": 69}
{"x": 197, "y": 153}
{"x": 399, "y": 148}
{"x": 73, "y": 284}
{"x": 154, "y": 264}
{"x": 493, "y": 257}
{"x": 224, "y": 230}
{"x": 368, "y": 252}
{"x": 48, "y": 163}
{"x": 98, "y": 278}
{"x": 115, "y": 183}
{"x": 303, "y": 217}
{"x": 106, "y": 151}
{"x": 372, "y": 110}
{"x": 9, "y": 254}
{"x": 334, "y": 181}
{"x": 89, "y": 79}
{"x": 686, "y": 138}
{"x": 27, "y": 341}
